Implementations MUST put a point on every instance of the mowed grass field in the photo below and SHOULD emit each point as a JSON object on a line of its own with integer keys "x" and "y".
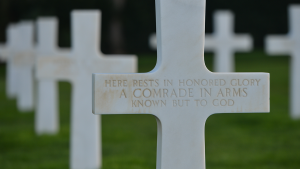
{"x": 241, "y": 141}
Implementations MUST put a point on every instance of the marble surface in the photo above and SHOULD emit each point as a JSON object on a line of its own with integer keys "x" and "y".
{"x": 180, "y": 92}
{"x": 224, "y": 42}
{"x": 46, "y": 115}
{"x": 289, "y": 45}
{"x": 85, "y": 59}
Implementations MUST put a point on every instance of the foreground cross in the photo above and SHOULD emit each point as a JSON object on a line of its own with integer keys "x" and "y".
{"x": 46, "y": 116}
{"x": 85, "y": 59}
{"x": 23, "y": 61}
{"x": 224, "y": 42}
{"x": 180, "y": 92}
{"x": 290, "y": 44}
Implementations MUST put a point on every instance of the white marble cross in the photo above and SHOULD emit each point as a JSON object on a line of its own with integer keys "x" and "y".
{"x": 23, "y": 61}
{"x": 224, "y": 43}
{"x": 85, "y": 59}
{"x": 290, "y": 44}
{"x": 11, "y": 70}
{"x": 180, "y": 92}
{"x": 46, "y": 116}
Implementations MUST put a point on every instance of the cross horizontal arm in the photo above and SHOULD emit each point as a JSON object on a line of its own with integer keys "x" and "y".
{"x": 60, "y": 68}
{"x": 237, "y": 42}
{"x": 243, "y": 43}
{"x": 24, "y": 58}
{"x": 153, "y": 94}
{"x": 279, "y": 45}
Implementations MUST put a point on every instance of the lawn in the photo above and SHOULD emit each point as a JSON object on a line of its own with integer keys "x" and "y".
{"x": 242, "y": 141}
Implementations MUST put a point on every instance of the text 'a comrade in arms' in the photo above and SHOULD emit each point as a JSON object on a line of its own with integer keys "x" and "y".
{"x": 213, "y": 90}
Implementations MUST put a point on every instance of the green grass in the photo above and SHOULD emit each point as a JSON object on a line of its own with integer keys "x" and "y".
{"x": 241, "y": 141}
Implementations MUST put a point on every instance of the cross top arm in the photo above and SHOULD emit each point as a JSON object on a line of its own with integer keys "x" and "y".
{"x": 156, "y": 94}
{"x": 276, "y": 44}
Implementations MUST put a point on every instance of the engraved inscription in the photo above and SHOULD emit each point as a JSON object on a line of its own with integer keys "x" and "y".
{"x": 146, "y": 93}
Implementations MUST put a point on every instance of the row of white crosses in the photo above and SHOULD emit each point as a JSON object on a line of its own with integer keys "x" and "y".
{"x": 18, "y": 52}
{"x": 52, "y": 64}
{"x": 180, "y": 92}
{"x": 223, "y": 42}
{"x": 77, "y": 67}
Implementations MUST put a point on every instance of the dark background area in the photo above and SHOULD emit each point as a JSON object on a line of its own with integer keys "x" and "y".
{"x": 127, "y": 24}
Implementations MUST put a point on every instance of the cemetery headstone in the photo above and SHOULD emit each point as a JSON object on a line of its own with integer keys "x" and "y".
{"x": 290, "y": 45}
{"x": 24, "y": 62}
{"x": 11, "y": 70}
{"x": 46, "y": 116}
{"x": 85, "y": 59}
{"x": 223, "y": 42}
{"x": 180, "y": 92}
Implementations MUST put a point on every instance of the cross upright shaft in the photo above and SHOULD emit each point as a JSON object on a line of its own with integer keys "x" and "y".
{"x": 186, "y": 38}
{"x": 180, "y": 92}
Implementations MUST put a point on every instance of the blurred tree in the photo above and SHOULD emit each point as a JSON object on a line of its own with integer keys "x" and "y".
{"x": 127, "y": 24}
{"x": 4, "y": 20}
{"x": 116, "y": 27}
